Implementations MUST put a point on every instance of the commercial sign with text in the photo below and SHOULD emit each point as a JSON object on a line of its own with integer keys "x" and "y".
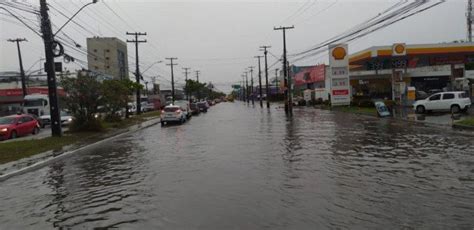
{"x": 339, "y": 67}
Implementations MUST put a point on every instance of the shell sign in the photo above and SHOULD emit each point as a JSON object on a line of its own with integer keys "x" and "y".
{"x": 399, "y": 49}
{"x": 339, "y": 53}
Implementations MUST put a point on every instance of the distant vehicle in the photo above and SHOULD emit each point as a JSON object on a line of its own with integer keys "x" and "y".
{"x": 421, "y": 95}
{"x": 382, "y": 109}
{"x": 447, "y": 101}
{"x": 185, "y": 107}
{"x": 132, "y": 107}
{"x": 203, "y": 106}
{"x": 38, "y": 119}
{"x": 37, "y": 104}
{"x": 172, "y": 113}
{"x": 14, "y": 126}
{"x": 433, "y": 91}
{"x": 147, "y": 107}
{"x": 66, "y": 119}
{"x": 194, "y": 109}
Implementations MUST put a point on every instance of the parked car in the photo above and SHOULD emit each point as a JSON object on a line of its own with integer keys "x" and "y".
{"x": 38, "y": 119}
{"x": 66, "y": 119}
{"x": 203, "y": 106}
{"x": 185, "y": 107}
{"x": 194, "y": 109}
{"x": 446, "y": 101}
{"x": 421, "y": 95}
{"x": 172, "y": 113}
{"x": 147, "y": 107}
{"x": 14, "y": 126}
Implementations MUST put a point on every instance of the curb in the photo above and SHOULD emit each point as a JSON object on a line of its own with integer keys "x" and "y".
{"x": 51, "y": 160}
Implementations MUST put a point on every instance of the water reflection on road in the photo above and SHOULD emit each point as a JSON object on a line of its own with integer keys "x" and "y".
{"x": 243, "y": 168}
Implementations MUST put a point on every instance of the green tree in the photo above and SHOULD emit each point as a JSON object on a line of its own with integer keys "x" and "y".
{"x": 116, "y": 96}
{"x": 83, "y": 98}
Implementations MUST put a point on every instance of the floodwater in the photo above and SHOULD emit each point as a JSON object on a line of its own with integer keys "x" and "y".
{"x": 239, "y": 167}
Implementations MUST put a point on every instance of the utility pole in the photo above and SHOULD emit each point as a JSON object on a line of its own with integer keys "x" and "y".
{"x": 251, "y": 84}
{"x": 197, "y": 75}
{"x": 287, "y": 80}
{"x": 247, "y": 87}
{"x": 186, "y": 71}
{"x": 260, "y": 81}
{"x": 276, "y": 82}
{"x": 469, "y": 20}
{"x": 48, "y": 39}
{"x": 265, "y": 51}
{"x": 172, "y": 76}
{"x": 242, "y": 88}
{"x": 22, "y": 71}
{"x": 137, "y": 72}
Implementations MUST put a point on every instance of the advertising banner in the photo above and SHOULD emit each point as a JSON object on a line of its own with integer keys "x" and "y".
{"x": 310, "y": 75}
{"x": 339, "y": 67}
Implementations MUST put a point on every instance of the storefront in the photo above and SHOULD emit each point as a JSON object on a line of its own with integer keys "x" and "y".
{"x": 387, "y": 71}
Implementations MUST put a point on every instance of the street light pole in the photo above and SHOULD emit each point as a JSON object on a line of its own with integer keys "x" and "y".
{"x": 70, "y": 19}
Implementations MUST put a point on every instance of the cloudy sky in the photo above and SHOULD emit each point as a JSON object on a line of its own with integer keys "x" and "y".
{"x": 220, "y": 37}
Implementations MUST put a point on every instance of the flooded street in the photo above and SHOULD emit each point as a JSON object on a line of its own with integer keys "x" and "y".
{"x": 239, "y": 167}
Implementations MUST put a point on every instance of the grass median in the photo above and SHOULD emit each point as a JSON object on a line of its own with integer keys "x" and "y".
{"x": 12, "y": 151}
{"x": 467, "y": 122}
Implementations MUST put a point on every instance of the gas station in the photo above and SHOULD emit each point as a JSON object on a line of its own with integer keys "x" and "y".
{"x": 404, "y": 73}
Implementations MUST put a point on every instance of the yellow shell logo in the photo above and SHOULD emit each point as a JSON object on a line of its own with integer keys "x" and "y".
{"x": 339, "y": 53}
{"x": 399, "y": 49}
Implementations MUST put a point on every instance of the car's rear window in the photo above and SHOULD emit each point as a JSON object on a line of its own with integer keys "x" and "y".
{"x": 463, "y": 95}
{"x": 171, "y": 109}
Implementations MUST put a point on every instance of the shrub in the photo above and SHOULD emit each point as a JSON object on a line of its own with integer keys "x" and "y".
{"x": 91, "y": 125}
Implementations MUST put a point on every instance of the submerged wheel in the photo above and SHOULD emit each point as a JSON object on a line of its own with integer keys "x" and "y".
{"x": 36, "y": 130}
{"x": 13, "y": 135}
{"x": 420, "y": 109}
{"x": 455, "y": 109}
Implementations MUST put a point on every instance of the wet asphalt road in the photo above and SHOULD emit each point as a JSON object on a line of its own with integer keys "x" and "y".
{"x": 243, "y": 168}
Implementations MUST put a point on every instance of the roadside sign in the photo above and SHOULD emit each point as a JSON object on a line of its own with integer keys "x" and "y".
{"x": 339, "y": 69}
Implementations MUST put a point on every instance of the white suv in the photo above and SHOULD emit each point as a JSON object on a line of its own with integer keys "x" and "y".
{"x": 173, "y": 113}
{"x": 446, "y": 101}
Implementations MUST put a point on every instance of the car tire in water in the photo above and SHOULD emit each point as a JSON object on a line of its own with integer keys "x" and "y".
{"x": 36, "y": 130}
{"x": 455, "y": 109}
{"x": 13, "y": 135}
{"x": 420, "y": 109}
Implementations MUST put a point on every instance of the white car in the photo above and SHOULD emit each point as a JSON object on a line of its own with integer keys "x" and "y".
{"x": 147, "y": 107}
{"x": 66, "y": 119}
{"x": 445, "y": 101}
{"x": 185, "y": 107}
{"x": 173, "y": 113}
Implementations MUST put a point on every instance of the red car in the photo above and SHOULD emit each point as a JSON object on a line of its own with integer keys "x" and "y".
{"x": 17, "y": 125}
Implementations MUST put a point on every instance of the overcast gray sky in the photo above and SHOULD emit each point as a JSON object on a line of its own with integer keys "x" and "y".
{"x": 220, "y": 38}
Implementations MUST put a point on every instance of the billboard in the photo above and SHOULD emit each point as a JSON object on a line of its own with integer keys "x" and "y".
{"x": 339, "y": 73}
{"x": 310, "y": 75}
